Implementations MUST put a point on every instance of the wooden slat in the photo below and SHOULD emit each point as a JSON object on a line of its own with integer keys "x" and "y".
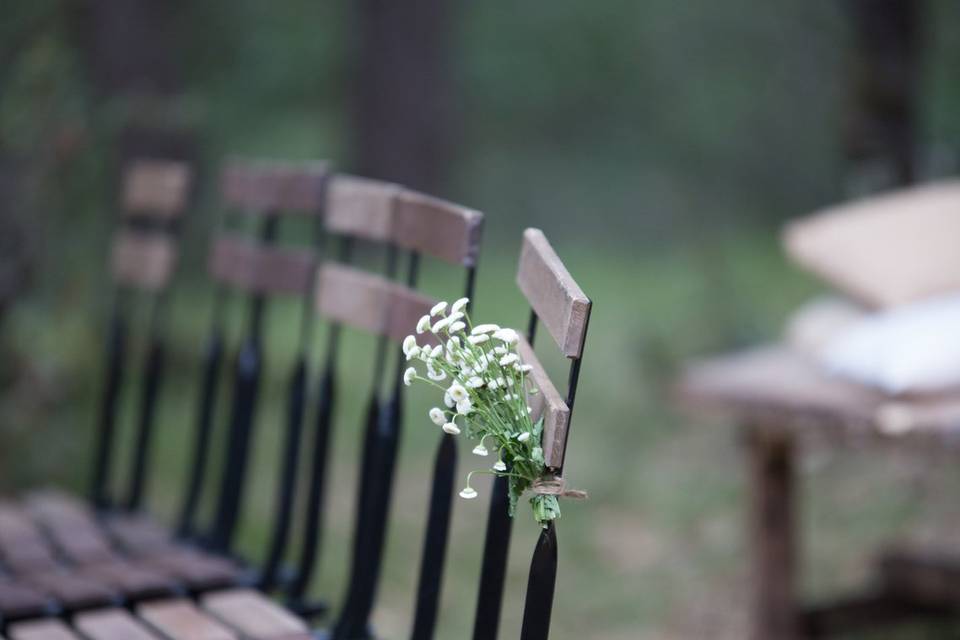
{"x": 549, "y": 404}
{"x": 73, "y": 590}
{"x": 361, "y": 208}
{"x": 156, "y": 187}
{"x": 70, "y": 526}
{"x": 134, "y": 579}
{"x": 262, "y": 187}
{"x": 437, "y": 228}
{"x": 552, "y": 292}
{"x": 137, "y": 533}
{"x": 22, "y": 545}
{"x": 884, "y": 250}
{"x": 145, "y": 260}
{"x": 198, "y": 570}
{"x": 253, "y": 614}
{"x": 368, "y": 302}
{"x": 259, "y": 269}
{"x": 19, "y": 600}
{"x": 112, "y": 624}
{"x": 182, "y": 620}
{"x": 41, "y": 630}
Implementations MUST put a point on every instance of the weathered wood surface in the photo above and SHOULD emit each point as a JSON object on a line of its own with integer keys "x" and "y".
{"x": 274, "y": 187}
{"x": 182, "y": 620}
{"x": 552, "y": 292}
{"x": 112, "y": 624}
{"x": 884, "y": 250}
{"x": 253, "y": 614}
{"x": 255, "y": 268}
{"x": 41, "y": 630}
{"x": 437, "y": 228}
{"x": 774, "y": 386}
{"x": 143, "y": 260}
{"x": 159, "y": 188}
{"x": 548, "y": 404}
{"x": 360, "y": 208}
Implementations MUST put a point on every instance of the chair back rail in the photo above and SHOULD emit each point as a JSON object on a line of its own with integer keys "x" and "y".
{"x": 557, "y": 301}
{"x": 257, "y": 270}
{"x": 155, "y": 192}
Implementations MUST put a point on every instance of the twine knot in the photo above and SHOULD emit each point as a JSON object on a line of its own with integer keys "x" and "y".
{"x": 556, "y": 486}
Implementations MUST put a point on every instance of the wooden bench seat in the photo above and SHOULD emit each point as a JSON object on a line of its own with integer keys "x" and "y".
{"x": 112, "y": 624}
{"x": 42, "y": 630}
{"x": 73, "y": 591}
{"x": 774, "y": 386}
{"x": 254, "y": 615}
{"x": 18, "y": 600}
{"x": 181, "y": 620}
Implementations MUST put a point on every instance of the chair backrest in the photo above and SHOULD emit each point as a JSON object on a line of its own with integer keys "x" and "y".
{"x": 155, "y": 192}
{"x": 254, "y": 268}
{"x": 559, "y": 304}
{"x": 387, "y": 307}
{"x": 884, "y": 250}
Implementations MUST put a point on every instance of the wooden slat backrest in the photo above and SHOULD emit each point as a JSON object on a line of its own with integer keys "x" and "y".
{"x": 360, "y": 208}
{"x": 112, "y": 624}
{"x": 548, "y": 404}
{"x": 256, "y": 268}
{"x": 143, "y": 260}
{"x": 557, "y": 299}
{"x": 368, "y": 302}
{"x": 274, "y": 187}
{"x": 437, "y": 228}
{"x": 156, "y": 188}
{"x": 884, "y": 250}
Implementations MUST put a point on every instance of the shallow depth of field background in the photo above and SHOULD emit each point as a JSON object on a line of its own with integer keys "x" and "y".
{"x": 659, "y": 144}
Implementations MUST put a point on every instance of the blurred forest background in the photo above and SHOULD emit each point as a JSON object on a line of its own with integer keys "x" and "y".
{"x": 659, "y": 144}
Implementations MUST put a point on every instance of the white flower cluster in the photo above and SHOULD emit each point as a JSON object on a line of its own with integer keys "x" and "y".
{"x": 484, "y": 386}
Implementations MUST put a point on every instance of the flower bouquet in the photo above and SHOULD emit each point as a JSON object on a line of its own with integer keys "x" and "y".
{"x": 485, "y": 387}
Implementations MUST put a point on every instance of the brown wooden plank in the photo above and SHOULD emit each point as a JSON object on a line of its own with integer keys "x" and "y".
{"x": 19, "y": 600}
{"x": 437, "y": 228}
{"x": 22, "y": 545}
{"x": 145, "y": 260}
{"x": 73, "y": 590}
{"x": 41, "y": 630}
{"x": 254, "y": 615}
{"x": 884, "y": 250}
{"x": 181, "y": 620}
{"x": 200, "y": 571}
{"x": 368, "y": 302}
{"x": 360, "y": 208}
{"x": 923, "y": 575}
{"x": 260, "y": 269}
{"x": 138, "y": 534}
{"x": 132, "y": 578}
{"x": 549, "y": 404}
{"x": 70, "y": 526}
{"x": 112, "y": 624}
{"x": 274, "y": 187}
{"x": 560, "y": 304}
{"x": 156, "y": 187}
{"x": 774, "y": 609}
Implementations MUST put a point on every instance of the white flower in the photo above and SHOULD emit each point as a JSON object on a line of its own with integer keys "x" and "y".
{"x": 456, "y": 315}
{"x": 437, "y": 416}
{"x": 423, "y": 324}
{"x": 468, "y": 493}
{"x": 474, "y": 383}
{"x": 510, "y": 397}
{"x": 409, "y": 375}
{"x": 438, "y": 308}
{"x": 499, "y": 466}
{"x": 478, "y": 339}
{"x": 447, "y": 400}
{"x": 457, "y": 392}
{"x": 436, "y": 375}
{"x": 501, "y": 350}
{"x": 484, "y": 328}
{"x": 459, "y": 305}
{"x": 508, "y": 359}
{"x": 437, "y": 350}
{"x": 525, "y": 368}
{"x": 465, "y": 407}
{"x": 492, "y": 384}
{"x": 523, "y": 437}
{"x": 529, "y": 409}
{"x": 410, "y": 348}
{"x": 440, "y": 324}
{"x": 451, "y": 428}
{"x": 480, "y": 450}
{"x": 502, "y": 382}
{"x": 456, "y": 326}
{"x": 508, "y": 336}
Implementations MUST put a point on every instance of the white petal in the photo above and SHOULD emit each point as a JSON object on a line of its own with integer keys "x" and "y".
{"x": 480, "y": 450}
{"x": 478, "y": 339}
{"x": 408, "y": 376}
{"x": 423, "y": 324}
{"x": 499, "y": 466}
{"x": 484, "y": 328}
{"x": 437, "y": 416}
{"x": 438, "y": 308}
{"x": 523, "y": 437}
{"x": 508, "y": 359}
{"x": 459, "y": 305}
{"x": 468, "y": 494}
{"x": 456, "y": 326}
{"x": 451, "y": 428}
{"x": 508, "y": 336}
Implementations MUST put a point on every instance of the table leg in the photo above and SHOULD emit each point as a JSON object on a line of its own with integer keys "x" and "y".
{"x": 774, "y": 614}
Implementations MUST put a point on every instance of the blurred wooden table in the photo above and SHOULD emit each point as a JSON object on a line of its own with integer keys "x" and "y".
{"x": 777, "y": 395}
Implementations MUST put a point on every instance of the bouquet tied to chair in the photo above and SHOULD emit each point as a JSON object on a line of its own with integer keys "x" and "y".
{"x": 485, "y": 386}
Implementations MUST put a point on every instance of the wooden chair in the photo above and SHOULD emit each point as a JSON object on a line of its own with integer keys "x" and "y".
{"x": 558, "y": 303}
{"x": 882, "y": 251}
{"x": 67, "y": 568}
{"x": 418, "y": 226}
